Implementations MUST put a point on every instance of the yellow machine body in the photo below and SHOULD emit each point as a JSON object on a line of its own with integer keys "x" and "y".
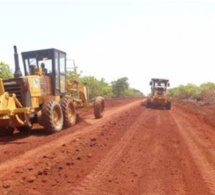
{"x": 41, "y": 96}
{"x": 159, "y": 96}
{"x": 78, "y": 92}
{"x": 159, "y": 99}
{"x": 12, "y": 112}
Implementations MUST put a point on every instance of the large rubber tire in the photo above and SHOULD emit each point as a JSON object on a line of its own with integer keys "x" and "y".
{"x": 99, "y": 106}
{"x": 52, "y": 116}
{"x": 69, "y": 113}
{"x": 143, "y": 103}
{"x": 168, "y": 105}
{"x": 25, "y": 129}
{"x": 148, "y": 104}
{"x": 8, "y": 131}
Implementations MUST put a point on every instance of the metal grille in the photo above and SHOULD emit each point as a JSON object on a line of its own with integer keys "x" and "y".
{"x": 14, "y": 87}
{"x": 160, "y": 91}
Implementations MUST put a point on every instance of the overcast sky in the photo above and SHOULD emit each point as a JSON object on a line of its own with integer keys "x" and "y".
{"x": 117, "y": 38}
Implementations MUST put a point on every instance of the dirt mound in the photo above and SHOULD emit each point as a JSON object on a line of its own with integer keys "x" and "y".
{"x": 203, "y": 111}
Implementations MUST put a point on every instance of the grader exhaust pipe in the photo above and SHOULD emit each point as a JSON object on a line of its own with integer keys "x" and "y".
{"x": 17, "y": 72}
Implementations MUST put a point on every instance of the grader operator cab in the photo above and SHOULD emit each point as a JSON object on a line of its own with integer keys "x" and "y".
{"x": 49, "y": 63}
{"x": 43, "y": 95}
{"x": 158, "y": 96}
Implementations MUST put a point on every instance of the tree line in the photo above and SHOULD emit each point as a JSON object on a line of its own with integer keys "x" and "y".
{"x": 205, "y": 91}
{"x": 118, "y": 88}
{"x": 5, "y": 72}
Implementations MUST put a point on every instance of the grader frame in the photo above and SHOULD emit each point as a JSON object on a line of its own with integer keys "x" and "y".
{"x": 159, "y": 96}
{"x": 43, "y": 95}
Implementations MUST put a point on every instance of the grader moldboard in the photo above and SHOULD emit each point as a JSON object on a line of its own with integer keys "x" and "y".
{"x": 158, "y": 96}
{"x": 43, "y": 95}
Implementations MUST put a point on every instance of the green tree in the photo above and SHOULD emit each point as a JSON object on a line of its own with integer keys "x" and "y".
{"x": 97, "y": 87}
{"x": 71, "y": 74}
{"x": 207, "y": 87}
{"x": 120, "y": 86}
{"x": 106, "y": 89}
{"x": 177, "y": 92}
{"x": 131, "y": 92}
{"x": 207, "y": 91}
{"x": 5, "y": 72}
{"x": 191, "y": 91}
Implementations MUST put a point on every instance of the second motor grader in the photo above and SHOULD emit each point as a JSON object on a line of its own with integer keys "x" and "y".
{"x": 159, "y": 96}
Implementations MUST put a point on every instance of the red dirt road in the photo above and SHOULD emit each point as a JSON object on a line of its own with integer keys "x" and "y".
{"x": 132, "y": 150}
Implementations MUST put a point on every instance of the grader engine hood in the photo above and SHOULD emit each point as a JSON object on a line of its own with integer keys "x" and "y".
{"x": 19, "y": 87}
{"x": 160, "y": 90}
{"x": 14, "y": 101}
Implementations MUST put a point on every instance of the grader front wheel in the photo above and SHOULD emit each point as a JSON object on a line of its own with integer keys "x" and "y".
{"x": 24, "y": 129}
{"x": 8, "y": 131}
{"x": 52, "y": 116}
{"x": 69, "y": 113}
{"x": 99, "y": 106}
{"x": 168, "y": 106}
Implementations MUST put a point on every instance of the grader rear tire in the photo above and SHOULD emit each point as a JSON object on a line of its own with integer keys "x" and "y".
{"x": 69, "y": 113}
{"x": 99, "y": 106}
{"x": 52, "y": 116}
{"x": 168, "y": 106}
{"x": 148, "y": 104}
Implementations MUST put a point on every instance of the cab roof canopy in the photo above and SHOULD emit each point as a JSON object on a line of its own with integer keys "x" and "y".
{"x": 160, "y": 80}
{"x": 41, "y": 53}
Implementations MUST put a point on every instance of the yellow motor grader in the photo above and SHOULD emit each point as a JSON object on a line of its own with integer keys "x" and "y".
{"x": 43, "y": 95}
{"x": 158, "y": 96}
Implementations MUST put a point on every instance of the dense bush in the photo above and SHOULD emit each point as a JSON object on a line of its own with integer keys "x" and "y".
{"x": 118, "y": 88}
{"x": 97, "y": 87}
{"x": 5, "y": 72}
{"x": 205, "y": 91}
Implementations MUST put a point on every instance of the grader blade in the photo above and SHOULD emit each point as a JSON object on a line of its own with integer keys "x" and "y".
{"x": 12, "y": 113}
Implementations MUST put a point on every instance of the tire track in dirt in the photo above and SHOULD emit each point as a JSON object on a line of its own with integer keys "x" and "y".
{"x": 162, "y": 165}
{"x": 203, "y": 136}
{"x": 137, "y": 151}
{"x": 7, "y": 166}
{"x": 92, "y": 184}
{"x": 206, "y": 169}
{"x": 155, "y": 160}
{"x": 19, "y": 143}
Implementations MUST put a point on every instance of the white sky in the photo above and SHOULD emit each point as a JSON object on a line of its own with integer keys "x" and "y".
{"x": 117, "y": 38}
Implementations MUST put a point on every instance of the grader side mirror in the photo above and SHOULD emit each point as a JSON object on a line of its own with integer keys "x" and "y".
{"x": 168, "y": 84}
{"x": 150, "y": 83}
